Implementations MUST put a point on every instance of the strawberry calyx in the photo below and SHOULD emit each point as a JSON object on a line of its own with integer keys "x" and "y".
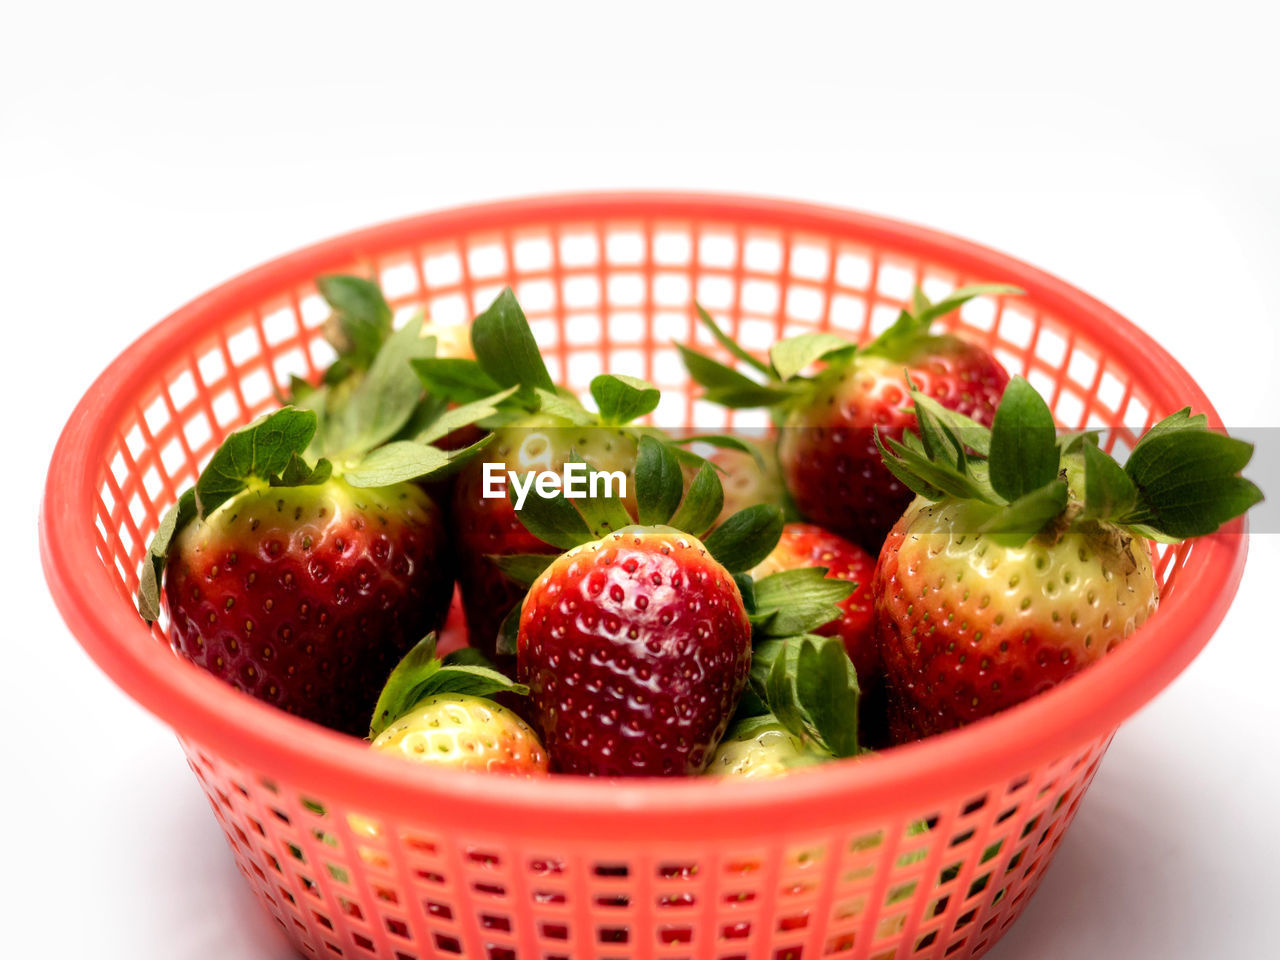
{"x": 807, "y": 684}
{"x": 784, "y": 383}
{"x": 1021, "y": 479}
{"x": 421, "y": 674}
{"x": 662, "y": 501}
{"x": 507, "y": 357}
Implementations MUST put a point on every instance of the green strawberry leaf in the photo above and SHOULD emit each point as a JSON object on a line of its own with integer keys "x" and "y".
{"x": 523, "y": 568}
{"x": 1175, "y": 422}
{"x": 175, "y": 518}
{"x": 602, "y": 514}
{"x": 923, "y": 475}
{"x": 968, "y": 431}
{"x": 476, "y": 681}
{"x": 421, "y": 674}
{"x": 623, "y": 399}
{"x": 362, "y": 314}
{"x": 1025, "y": 517}
{"x": 552, "y": 519}
{"x": 958, "y": 298}
{"x": 1024, "y": 443}
{"x": 1188, "y": 479}
{"x": 900, "y": 340}
{"x": 798, "y": 601}
{"x": 827, "y": 693}
{"x": 729, "y": 343}
{"x": 793, "y": 355}
{"x": 809, "y": 684}
{"x": 747, "y": 587}
{"x": 727, "y": 386}
{"x": 297, "y": 474}
{"x": 1108, "y": 491}
{"x": 746, "y": 537}
{"x": 566, "y": 408}
{"x": 724, "y": 442}
{"x": 467, "y": 657}
{"x": 409, "y": 460}
{"x": 659, "y": 481}
{"x": 455, "y": 379}
{"x": 399, "y": 693}
{"x": 383, "y": 400}
{"x": 505, "y": 347}
{"x": 702, "y": 503}
{"x": 939, "y": 442}
{"x": 260, "y": 451}
{"x": 462, "y": 416}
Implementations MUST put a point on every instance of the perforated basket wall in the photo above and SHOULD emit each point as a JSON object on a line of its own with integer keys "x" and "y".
{"x": 927, "y": 851}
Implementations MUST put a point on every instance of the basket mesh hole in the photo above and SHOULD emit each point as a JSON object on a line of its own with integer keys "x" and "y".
{"x": 896, "y": 281}
{"x": 810, "y": 261}
{"x": 717, "y": 250}
{"x": 672, "y": 248}
{"x": 805, "y": 303}
{"x": 716, "y": 293}
{"x": 579, "y": 250}
{"x": 671, "y": 290}
{"x": 627, "y": 290}
{"x": 443, "y": 270}
{"x": 533, "y": 254}
{"x": 536, "y": 295}
{"x": 625, "y": 247}
{"x": 401, "y": 279}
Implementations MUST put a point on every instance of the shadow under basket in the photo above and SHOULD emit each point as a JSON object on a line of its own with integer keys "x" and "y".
{"x": 359, "y": 855}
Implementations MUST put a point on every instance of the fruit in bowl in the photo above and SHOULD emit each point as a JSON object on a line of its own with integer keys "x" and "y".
{"x": 1026, "y": 555}
{"x": 621, "y": 630}
{"x": 828, "y": 421}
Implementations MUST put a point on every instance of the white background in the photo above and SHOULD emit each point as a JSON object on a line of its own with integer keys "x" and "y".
{"x": 149, "y": 151}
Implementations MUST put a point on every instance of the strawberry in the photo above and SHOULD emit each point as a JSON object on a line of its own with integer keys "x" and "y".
{"x": 807, "y": 545}
{"x": 467, "y": 733}
{"x": 761, "y": 747}
{"x": 304, "y": 562}
{"x": 636, "y": 648}
{"x": 537, "y": 429}
{"x": 826, "y": 446}
{"x": 637, "y": 643}
{"x": 1022, "y": 563}
{"x": 437, "y": 712}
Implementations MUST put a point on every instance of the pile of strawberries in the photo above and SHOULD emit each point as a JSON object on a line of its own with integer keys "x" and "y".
{"x": 919, "y": 549}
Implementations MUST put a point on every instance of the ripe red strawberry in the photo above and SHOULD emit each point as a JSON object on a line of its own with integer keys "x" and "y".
{"x": 437, "y": 712}
{"x": 826, "y": 446}
{"x": 808, "y": 545}
{"x": 636, "y": 643}
{"x": 306, "y": 597}
{"x": 636, "y": 649}
{"x": 1020, "y": 566}
{"x": 303, "y": 583}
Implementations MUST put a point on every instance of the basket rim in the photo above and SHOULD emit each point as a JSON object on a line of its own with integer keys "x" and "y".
{"x": 209, "y": 714}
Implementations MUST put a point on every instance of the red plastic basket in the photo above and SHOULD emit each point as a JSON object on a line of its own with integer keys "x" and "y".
{"x": 823, "y": 863}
